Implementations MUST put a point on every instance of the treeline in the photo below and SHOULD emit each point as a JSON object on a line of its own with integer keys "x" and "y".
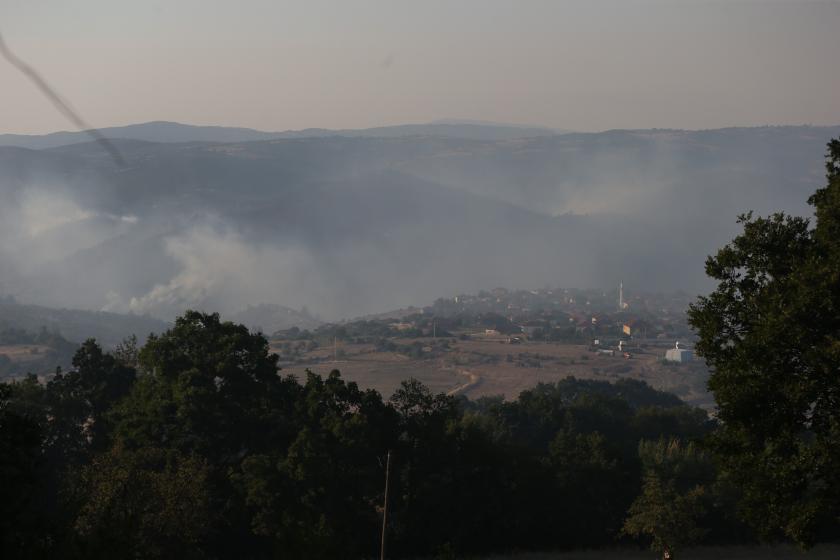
{"x": 196, "y": 446}
{"x": 364, "y": 331}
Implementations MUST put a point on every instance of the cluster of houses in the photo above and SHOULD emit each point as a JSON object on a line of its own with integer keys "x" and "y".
{"x": 563, "y": 314}
{"x": 587, "y": 312}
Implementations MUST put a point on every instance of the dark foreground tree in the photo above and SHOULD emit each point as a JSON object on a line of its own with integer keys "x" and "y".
{"x": 78, "y": 403}
{"x": 771, "y": 333}
{"x": 148, "y": 503}
{"x": 672, "y": 501}
{"x": 210, "y": 390}
{"x": 20, "y": 441}
{"x": 317, "y": 498}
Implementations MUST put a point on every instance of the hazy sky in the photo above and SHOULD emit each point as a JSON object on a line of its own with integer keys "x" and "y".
{"x": 276, "y": 65}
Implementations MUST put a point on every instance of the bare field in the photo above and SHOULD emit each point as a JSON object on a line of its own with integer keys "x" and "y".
{"x": 486, "y": 367}
{"x": 383, "y": 371}
{"x": 21, "y": 353}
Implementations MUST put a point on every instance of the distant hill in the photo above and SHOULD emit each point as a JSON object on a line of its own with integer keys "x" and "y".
{"x": 272, "y": 318}
{"x": 170, "y": 132}
{"x": 76, "y": 325}
{"x": 112, "y": 328}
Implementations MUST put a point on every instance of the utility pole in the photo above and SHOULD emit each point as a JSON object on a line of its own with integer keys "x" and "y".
{"x": 385, "y": 506}
{"x": 335, "y": 349}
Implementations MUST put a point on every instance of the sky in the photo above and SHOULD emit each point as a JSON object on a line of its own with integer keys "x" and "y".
{"x": 278, "y": 65}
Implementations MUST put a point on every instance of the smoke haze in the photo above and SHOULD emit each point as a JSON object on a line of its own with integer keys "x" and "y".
{"x": 351, "y": 225}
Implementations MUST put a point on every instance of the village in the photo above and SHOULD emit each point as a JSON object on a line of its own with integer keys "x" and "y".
{"x": 501, "y": 342}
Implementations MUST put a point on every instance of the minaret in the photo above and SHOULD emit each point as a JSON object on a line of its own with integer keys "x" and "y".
{"x": 621, "y": 296}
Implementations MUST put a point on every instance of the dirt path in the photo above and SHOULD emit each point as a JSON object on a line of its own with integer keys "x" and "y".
{"x": 473, "y": 380}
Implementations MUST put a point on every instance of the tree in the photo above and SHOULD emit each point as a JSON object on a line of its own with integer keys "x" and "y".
{"x": 127, "y": 352}
{"x": 78, "y": 402}
{"x": 672, "y": 498}
{"x": 422, "y": 467}
{"x": 20, "y": 459}
{"x": 771, "y": 333}
{"x": 587, "y": 474}
{"x": 209, "y": 387}
{"x": 148, "y": 503}
{"x": 318, "y": 498}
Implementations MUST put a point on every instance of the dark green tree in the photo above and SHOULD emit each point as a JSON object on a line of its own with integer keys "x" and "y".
{"x": 319, "y": 497}
{"x": 211, "y": 389}
{"x": 147, "y": 502}
{"x": 590, "y": 486}
{"x": 673, "y": 498}
{"x": 771, "y": 334}
{"x": 422, "y": 477}
{"x": 78, "y": 402}
{"x": 20, "y": 462}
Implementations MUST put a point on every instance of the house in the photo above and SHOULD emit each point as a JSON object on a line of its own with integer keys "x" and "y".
{"x": 679, "y": 355}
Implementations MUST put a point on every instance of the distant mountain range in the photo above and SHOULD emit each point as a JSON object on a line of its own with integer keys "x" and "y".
{"x": 162, "y": 131}
{"x": 357, "y": 224}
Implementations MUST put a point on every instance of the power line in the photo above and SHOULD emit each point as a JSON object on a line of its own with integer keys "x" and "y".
{"x": 60, "y": 104}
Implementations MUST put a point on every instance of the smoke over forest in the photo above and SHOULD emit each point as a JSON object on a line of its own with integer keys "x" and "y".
{"x": 352, "y": 224}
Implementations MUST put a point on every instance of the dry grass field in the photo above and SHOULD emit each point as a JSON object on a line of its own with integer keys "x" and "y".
{"x": 485, "y": 367}
{"x": 384, "y": 371}
{"x": 22, "y": 353}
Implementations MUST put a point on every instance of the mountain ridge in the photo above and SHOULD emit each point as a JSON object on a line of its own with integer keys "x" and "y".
{"x": 172, "y": 132}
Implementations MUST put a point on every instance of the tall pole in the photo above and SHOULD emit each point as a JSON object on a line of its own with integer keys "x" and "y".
{"x": 620, "y": 296}
{"x": 385, "y": 506}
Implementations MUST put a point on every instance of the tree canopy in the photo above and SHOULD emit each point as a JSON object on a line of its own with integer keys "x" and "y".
{"x": 771, "y": 333}
{"x": 198, "y": 445}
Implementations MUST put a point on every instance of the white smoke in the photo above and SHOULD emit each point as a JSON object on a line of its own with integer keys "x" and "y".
{"x": 40, "y": 225}
{"x": 221, "y": 271}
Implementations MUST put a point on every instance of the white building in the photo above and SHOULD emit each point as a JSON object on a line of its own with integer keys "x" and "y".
{"x": 679, "y": 355}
